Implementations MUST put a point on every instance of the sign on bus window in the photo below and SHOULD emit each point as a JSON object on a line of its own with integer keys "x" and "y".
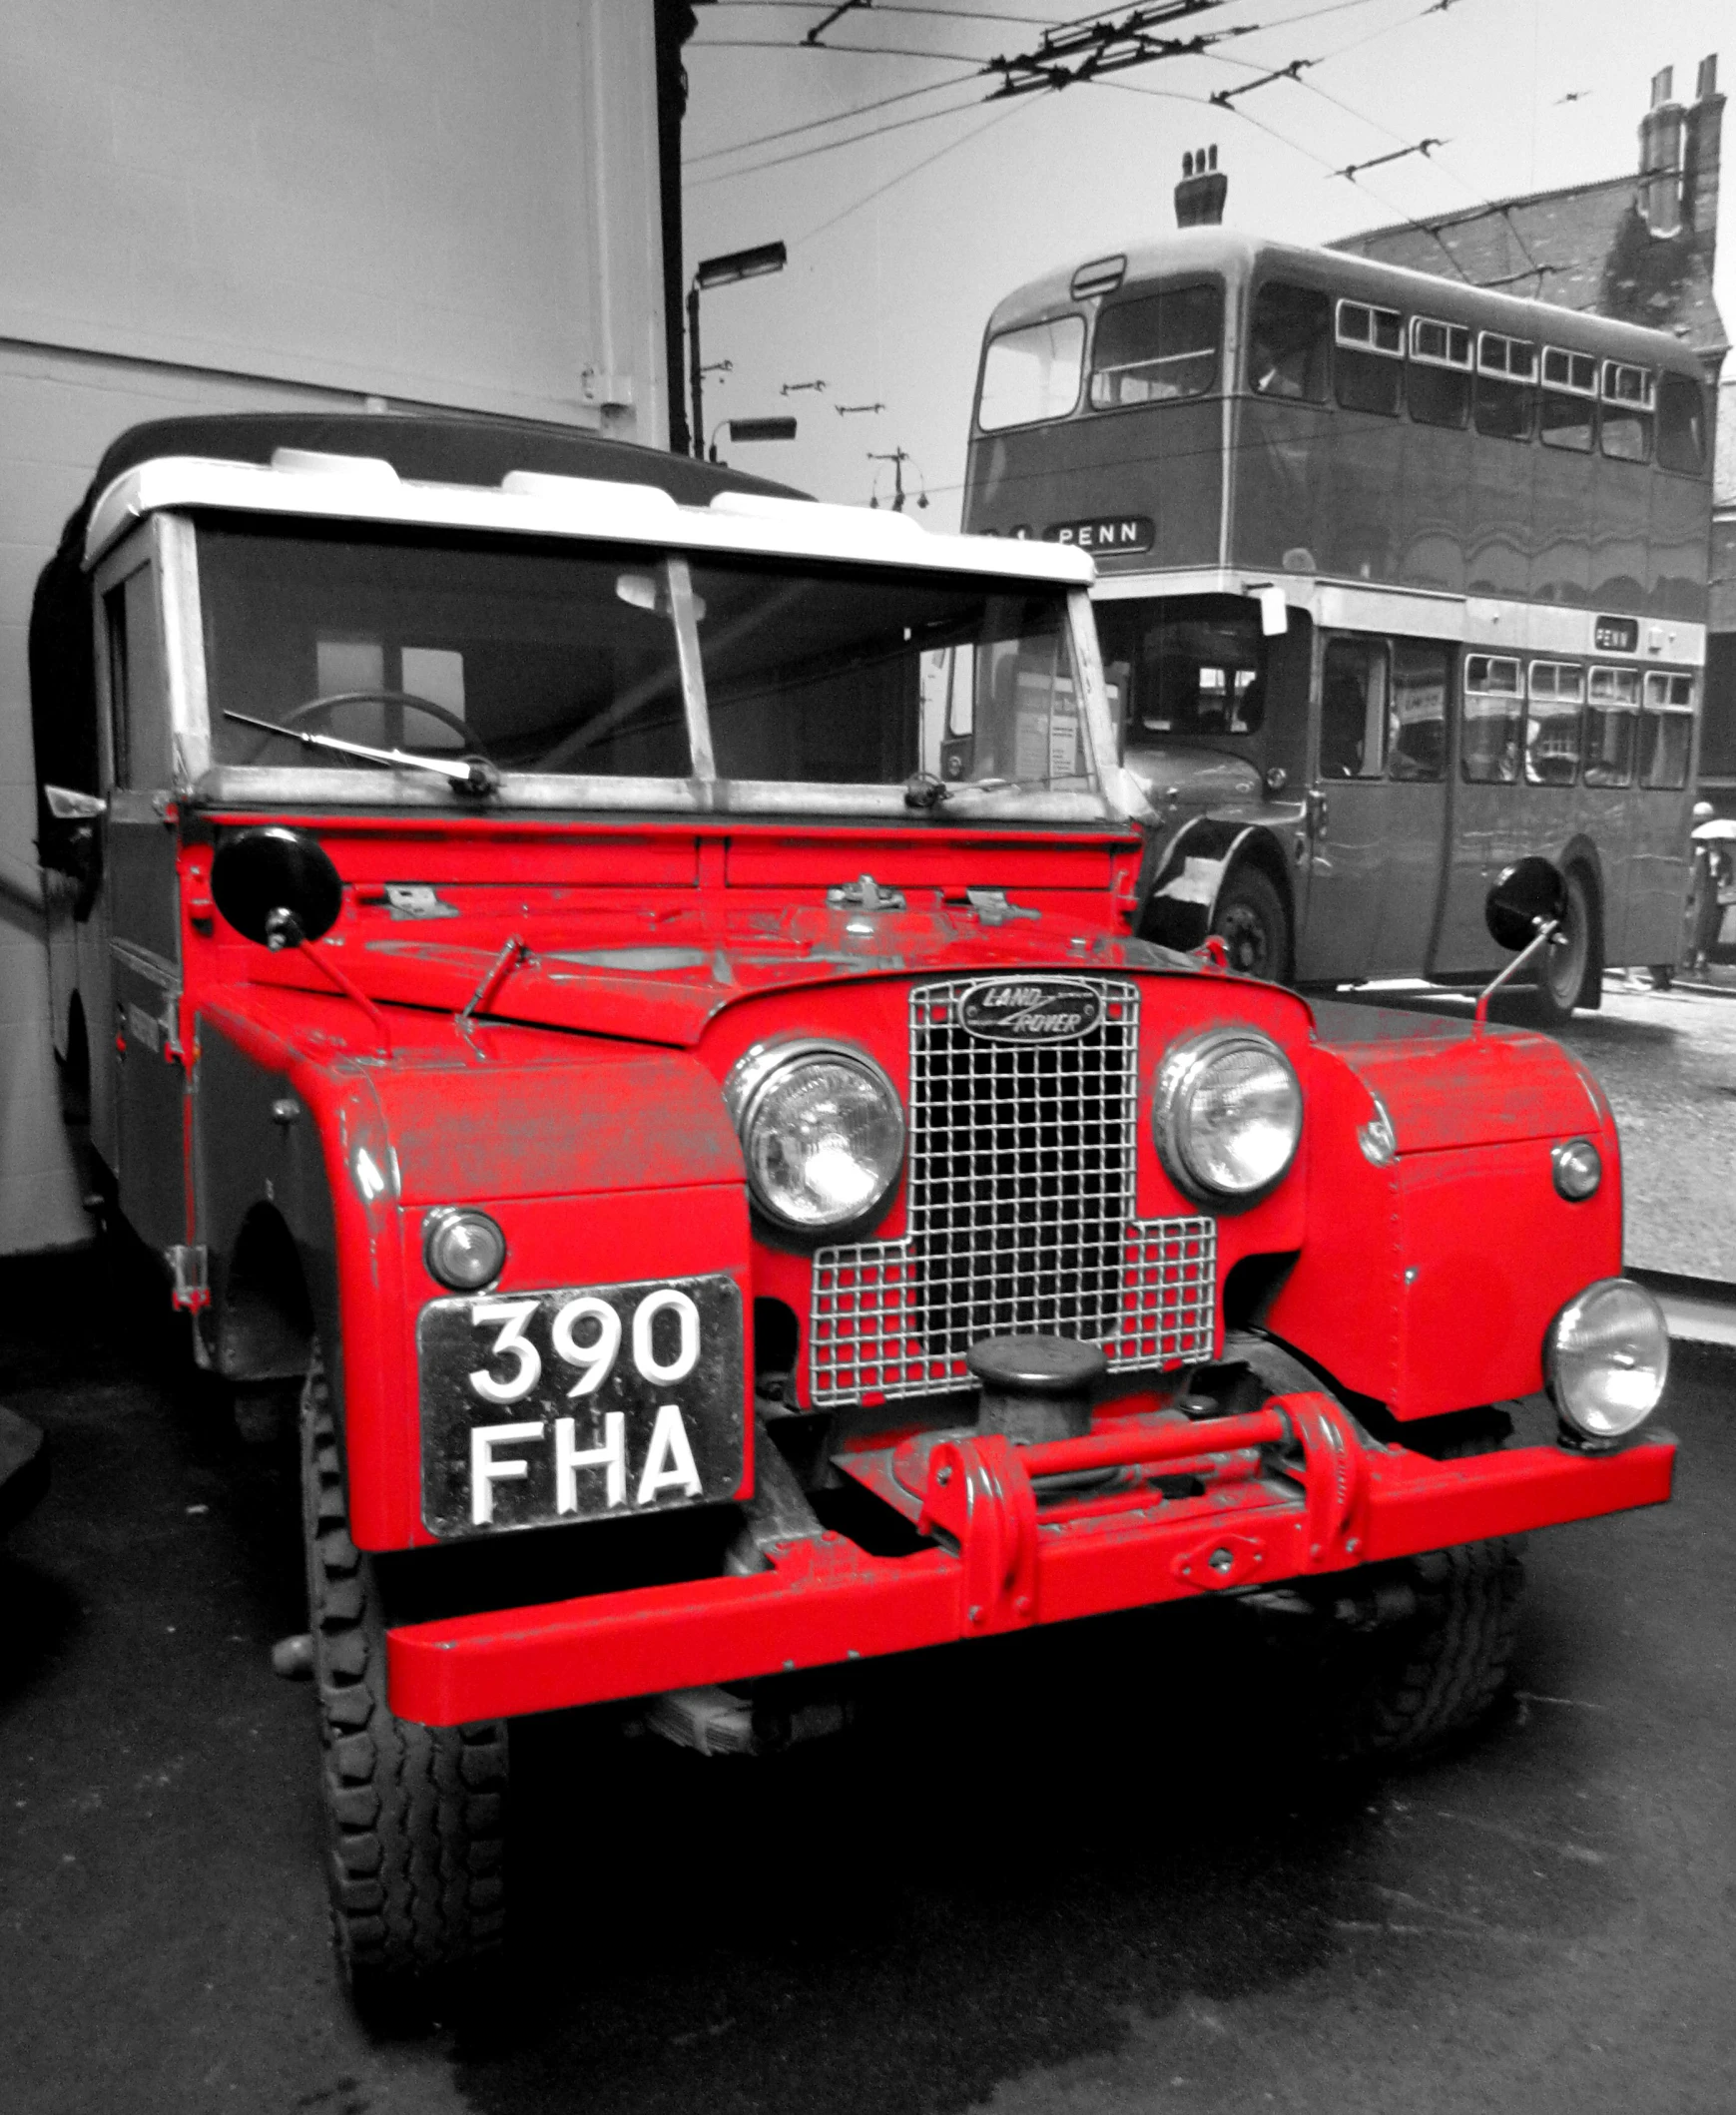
{"x": 1611, "y": 721}
{"x": 1552, "y": 724}
{"x": 1416, "y": 724}
{"x": 1033, "y": 373}
{"x": 1494, "y": 718}
{"x": 1353, "y": 710}
{"x": 1666, "y": 730}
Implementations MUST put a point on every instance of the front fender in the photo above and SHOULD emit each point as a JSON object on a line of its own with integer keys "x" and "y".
{"x": 1185, "y": 871}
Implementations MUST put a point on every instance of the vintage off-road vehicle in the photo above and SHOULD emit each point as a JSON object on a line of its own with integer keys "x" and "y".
{"x": 622, "y": 981}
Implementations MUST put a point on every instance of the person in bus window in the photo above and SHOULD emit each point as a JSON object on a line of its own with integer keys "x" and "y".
{"x": 1343, "y": 720}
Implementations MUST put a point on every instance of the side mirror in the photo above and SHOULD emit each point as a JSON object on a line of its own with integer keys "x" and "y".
{"x": 276, "y": 887}
{"x": 1526, "y": 896}
{"x": 1274, "y": 610}
{"x": 66, "y": 806}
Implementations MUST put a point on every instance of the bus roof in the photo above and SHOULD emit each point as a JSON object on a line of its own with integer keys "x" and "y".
{"x": 1238, "y": 255}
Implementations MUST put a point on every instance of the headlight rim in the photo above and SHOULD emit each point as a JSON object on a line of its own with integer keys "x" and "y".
{"x": 1573, "y": 1430}
{"x": 750, "y": 1080}
{"x": 1180, "y": 1067}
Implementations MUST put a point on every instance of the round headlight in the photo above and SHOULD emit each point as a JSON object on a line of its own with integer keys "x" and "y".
{"x": 1606, "y": 1358}
{"x": 1228, "y": 1115}
{"x": 462, "y": 1249}
{"x": 821, "y": 1128}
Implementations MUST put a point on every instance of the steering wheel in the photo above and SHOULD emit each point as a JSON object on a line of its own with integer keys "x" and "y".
{"x": 334, "y": 699}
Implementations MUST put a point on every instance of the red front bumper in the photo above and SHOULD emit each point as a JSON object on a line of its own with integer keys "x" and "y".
{"x": 1008, "y": 1562}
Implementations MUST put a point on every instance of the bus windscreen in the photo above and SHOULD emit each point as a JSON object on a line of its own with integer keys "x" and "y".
{"x": 1176, "y": 675}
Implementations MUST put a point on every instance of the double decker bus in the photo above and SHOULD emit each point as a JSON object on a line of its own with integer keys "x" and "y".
{"x": 1400, "y": 580}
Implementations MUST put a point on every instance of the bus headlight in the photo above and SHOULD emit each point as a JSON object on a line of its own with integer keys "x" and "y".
{"x": 1227, "y": 1115}
{"x": 1605, "y": 1360}
{"x": 821, "y": 1128}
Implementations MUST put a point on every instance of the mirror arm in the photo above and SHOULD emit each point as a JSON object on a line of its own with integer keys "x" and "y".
{"x": 340, "y": 982}
{"x": 1546, "y": 931}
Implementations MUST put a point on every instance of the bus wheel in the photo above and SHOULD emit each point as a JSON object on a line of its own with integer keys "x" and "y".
{"x": 1252, "y": 924}
{"x": 414, "y": 1815}
{"x": 1561, "y": 973}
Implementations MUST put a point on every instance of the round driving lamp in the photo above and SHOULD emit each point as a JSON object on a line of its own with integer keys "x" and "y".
{"x": 1605, "y": 1360}
{"x": 462, "y": 1249}
{"x": 822, "y": 1130}
{"x": 1578, "y": 1169}
{"x": 1227, "y": 1115}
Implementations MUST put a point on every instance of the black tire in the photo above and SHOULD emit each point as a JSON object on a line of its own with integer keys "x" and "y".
{"x": 1562, "y": 970}
{"x": 1397, "y": 1692}
{"x": 414, "y": 1815}
{"x": 1254, "y": 926}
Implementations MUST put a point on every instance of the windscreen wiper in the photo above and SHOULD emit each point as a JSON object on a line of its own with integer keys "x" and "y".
{"x": 474, "y": 775}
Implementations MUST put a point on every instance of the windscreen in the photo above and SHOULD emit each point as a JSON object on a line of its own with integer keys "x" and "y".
{"x": 1177, "y": 672}
{"x": 535, "y": 656}
{"x": 557, "y": 664}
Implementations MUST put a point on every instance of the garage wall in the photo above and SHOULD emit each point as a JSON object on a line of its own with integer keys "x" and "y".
{"x": 233, "y": 205}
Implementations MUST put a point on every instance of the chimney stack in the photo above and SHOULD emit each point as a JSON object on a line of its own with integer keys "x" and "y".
{"x": 1199, "y": 197}
{"x": 1660, "y": 157}
{"x": 1700, "y": 158}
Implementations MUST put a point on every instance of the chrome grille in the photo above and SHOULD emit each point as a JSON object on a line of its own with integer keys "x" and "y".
{"x": 1019, "y": 1193}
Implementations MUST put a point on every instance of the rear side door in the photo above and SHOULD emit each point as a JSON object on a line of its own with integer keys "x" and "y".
{"x": 136, "y": 917}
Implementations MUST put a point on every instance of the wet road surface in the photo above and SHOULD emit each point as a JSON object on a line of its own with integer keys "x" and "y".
{"x": 1062, "y": 1875}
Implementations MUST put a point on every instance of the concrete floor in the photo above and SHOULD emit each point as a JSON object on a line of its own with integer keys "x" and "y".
{"x": 1070, "y": 1874}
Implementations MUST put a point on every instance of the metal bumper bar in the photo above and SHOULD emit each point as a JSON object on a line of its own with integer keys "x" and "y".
{"x": 1290, "y": 1490}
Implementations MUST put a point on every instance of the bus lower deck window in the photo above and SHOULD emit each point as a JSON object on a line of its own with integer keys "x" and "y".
{"x": 1417, "y": 720}
{"x": 1353, "y": 710}
{"x": 1666, "y": 730}
{"x": 1495, "y": 715}
{"x": 1552, "y": 727}
{"x": 1611, "y": 716}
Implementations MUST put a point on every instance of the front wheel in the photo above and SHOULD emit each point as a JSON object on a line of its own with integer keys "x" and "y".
{"x": 414, "y": 1815}
{"x": 1398, "y": 1691}
{"x": 1254, "y": 926}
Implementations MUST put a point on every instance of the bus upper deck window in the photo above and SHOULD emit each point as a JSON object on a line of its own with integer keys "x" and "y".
{"x": 1627, "y": 411}
{"x": 1494, "y": 719}
{"x": 1506, "y": 377}
{"x": 1371, "y": 358}
{"x": 1611, "y": 716}
{"x": 1288, "y": 342}
{"x": 1666, "y": 730}
{"x": 1437, "y": 380}
{"x": 1681, "y": 417}
{"x": 1552, "y": 728}
{"x": 1570, "y": 402}
{"x": 1031, "y": 374}
{"x": 1157, "y": 346}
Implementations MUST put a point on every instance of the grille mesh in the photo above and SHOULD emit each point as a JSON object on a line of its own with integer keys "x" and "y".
{"x": 1020, "y": 1189}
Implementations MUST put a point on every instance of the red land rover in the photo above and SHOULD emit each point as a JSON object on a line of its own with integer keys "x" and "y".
{"x": 623, "y": 982}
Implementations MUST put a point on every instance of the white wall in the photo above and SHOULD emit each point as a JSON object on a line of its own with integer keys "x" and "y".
{"x": 233, "y": 205}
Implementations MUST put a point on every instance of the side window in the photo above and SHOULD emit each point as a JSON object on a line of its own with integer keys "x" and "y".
{"x": 1416, "y": 719}
{"x": 1570, "y": 404}
{"x": 138, "y": 684}
{"x": 1666, "y": 730}
{"x": 1611, "y": 718}
{"x": 1438, "y": 380}
{"x": 1507, "y": 382}
{"x": 1494, "y": 717}
{"x": 1627, "y": 411}
{"x": 1353, "y": 709}
{"x": 1289, "y": 343}
{"x": 1681, "y": 416}
{"x": 1371, "y": 358}
{"x": 1157, "y": 348}
{"x": 1552, "y": 724}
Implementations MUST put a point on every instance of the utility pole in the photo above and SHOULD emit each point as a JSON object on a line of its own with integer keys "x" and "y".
{"x": 898, "y": 457}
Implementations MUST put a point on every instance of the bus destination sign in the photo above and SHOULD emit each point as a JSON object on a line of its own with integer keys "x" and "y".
{"x": 1105, "y": 532}
{"x": 1615, "y": 634}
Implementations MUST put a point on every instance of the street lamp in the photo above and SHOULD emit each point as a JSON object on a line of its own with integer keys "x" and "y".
{"x": 720, "y": 272}
{"x": 740, "y": 430}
